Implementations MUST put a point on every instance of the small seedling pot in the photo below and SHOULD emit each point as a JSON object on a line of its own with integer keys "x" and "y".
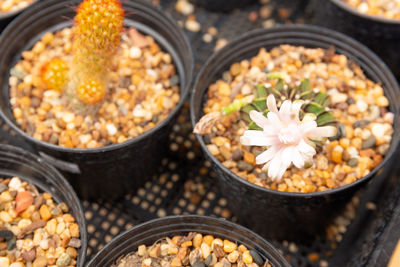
{"x": 110, "y": 171}
{"x": 284, "y": 215}
{"x": 380, "y": 34}
{"x": 149, "y": 232}
{"x": 221, "y": 5}
{"x": 15, "y": 161}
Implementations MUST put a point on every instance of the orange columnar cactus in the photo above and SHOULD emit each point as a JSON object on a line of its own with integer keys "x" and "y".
{"x": 98, "y": 25}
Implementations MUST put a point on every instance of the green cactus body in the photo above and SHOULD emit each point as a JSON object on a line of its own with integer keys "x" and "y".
{"x": 315, "y": 103}
{"x": 98, "y": 25}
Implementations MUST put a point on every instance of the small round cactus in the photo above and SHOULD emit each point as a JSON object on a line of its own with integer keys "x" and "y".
{"x": 54, "y": 74}
{"x": 91, "y": 91}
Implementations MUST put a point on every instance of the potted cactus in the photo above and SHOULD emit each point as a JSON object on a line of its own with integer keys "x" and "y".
{"x": 293, "y": 126}
{"x": 98, "y": 92}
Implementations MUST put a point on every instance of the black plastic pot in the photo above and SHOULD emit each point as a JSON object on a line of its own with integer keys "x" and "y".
{"x": 6, "y": 18}
{"x": 380, "y": 34}
{"x": 149, "y": 232}
{"x": 223, "y": 5}
{"x": 286, "y": 215}
{"x": 16, "y": 162}
{"x": 110, "y": 171}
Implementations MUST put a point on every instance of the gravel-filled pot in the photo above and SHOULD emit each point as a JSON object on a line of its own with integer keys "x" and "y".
{"x": 112, "y": 170}
{"x": 379, "y": 33}
{"x": 7, "y": 17}
{"x": 288, "y": 215}
{"x": 149, "y": 232}
{"x": 15, "y": 162}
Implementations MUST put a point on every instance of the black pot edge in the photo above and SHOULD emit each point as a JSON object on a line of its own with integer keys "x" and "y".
{"x": 276, "y": 192}
{"x": 177, "y": 218}
{"x": 175, "y": 111}
{"x": 347, "y": 8}
{"x": 83, "y": 232}
{"x": 9, "y": 15}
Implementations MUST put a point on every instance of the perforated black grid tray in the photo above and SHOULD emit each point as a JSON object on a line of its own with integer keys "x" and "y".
{"x": 184, "y": 184}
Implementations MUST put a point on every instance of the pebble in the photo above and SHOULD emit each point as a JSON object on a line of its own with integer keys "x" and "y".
{"x": 207, "y": 38}
{"x": 192, "y": 25}
{"x": 64, "y": 260}
{"x": 75, "y": 243}
{"x": 268, "y": 23}
{"x": 29, "y": 255}
{"x": 369, "y": 143}
{"x": 265, "y": 12}
{"x": 184, "y": 7}
{"x": 352, "y": 162}
{"x": 361, "y": 123}
{"x": 245, "y": 166}
{"x": 237, "y": 155}
{"x": 111, "y": 129}
{"x": 135, "y": 52}
{"x": 40, "y": 261}
{"x": 256, "y": 257}
{"x": 220, "y": 43}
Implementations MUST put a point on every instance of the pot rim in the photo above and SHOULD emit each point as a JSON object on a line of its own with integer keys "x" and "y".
{"x": 381, "y": 19}
{"x": 7, "y": 15}
{"x": 185, "y": 89}
{"x": 34, "y": 158}
{"x": 300, "y": 28}
{"x": 180, "y": 219}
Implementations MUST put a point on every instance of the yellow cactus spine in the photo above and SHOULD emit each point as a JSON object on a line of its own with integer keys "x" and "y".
{"x": 98, "y": 25}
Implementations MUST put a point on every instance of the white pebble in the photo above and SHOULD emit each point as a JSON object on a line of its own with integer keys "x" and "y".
{"x": 135, "y": 52}
{"x": 362, "y": 105}
{"x": 44, "y": 244}
{"x": 111, "y": 129}
{"x": 17, "y": 264}
{"x": 207, "y": 38}
{"x": 192, "y": 25}
{"x": 15, "y": 184}
{"x": 139, "y": 111}
{"x": 68, "y": 117}
{"x": 4, "y": 262}
{"x": 388, "y": 117}
{"x": 84, "y": 139}
{"x": 184, "y": 7}
{"x": 378, "y": 130}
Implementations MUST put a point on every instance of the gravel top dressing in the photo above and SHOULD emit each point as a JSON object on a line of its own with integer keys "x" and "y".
{"x": 194, "y": 250}
{"x": 389, "y": 9}
{"x": 35, "y": 231}
{"x": 143, "y": 89}
{"x": 13, "y": 5}
{"x": 323, "y": 88}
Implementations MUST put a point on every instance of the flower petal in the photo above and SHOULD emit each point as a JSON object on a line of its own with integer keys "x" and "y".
{"x": 286, "y": 108}
{"x": 296, "y": 106}
{"x": 267, "y": 155}
{"x": 306, "y": 149}
{"x": 308, "y": 126}
{"x": 271, "y": 103}
{"x": 259, "y": 118}
{"x": 256, "y": 138}
{"x": 287, "y": 156}
{"x": 309, "y": 117}
{"x": 298, "y": 160}
{"x": 274, "y": 167}
{"x": 324, "y": 131}
{"x": 274, "y": 119}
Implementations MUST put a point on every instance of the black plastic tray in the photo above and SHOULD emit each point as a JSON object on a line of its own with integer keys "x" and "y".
{"x": 185, "y": 184}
